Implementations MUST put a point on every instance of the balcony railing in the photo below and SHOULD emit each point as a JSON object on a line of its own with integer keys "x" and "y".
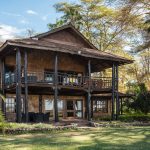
{"x": 64, "y": 79}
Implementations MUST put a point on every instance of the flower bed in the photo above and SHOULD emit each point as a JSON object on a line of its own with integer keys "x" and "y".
{"x": 14, "y": 128}
{"x": 117, "y": 124}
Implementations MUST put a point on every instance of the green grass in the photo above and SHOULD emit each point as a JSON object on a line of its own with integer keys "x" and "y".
{"x": 130, "y": 138}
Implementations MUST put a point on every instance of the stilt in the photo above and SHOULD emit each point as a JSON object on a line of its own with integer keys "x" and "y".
{"x": 89, "y": 93}
{"x": 3, "y": 87}
{"x": 56, "y": 89}
{"x": 26, "y": 85}
{"x": 113, "y": 90}
{"x": 18, "y": 86}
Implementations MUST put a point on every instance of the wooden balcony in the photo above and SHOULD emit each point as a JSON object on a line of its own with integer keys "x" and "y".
{"x": 46, "y": 78}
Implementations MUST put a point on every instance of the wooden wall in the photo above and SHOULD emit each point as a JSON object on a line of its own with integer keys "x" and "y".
{"x": 68, "y": 35}
{"x": 40, "y": 60}
{"x": 33, "y": 103}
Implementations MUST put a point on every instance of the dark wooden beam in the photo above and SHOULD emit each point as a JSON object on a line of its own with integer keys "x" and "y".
{"x": 40, "y": 103}
{"x": 18, "y": 85}
{"x": 121, "y": 106}
{"x": 113, "y": 90}
{"x": 26, "y": 85}
{"x": 56, "y": 89}
{"x": 3, "y": 86}
{"x": 116, "y": 90}
{"x": 89, "y": 92}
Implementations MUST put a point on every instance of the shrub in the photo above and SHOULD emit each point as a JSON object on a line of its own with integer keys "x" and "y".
{"x": 3, "y": 124}
{"x": 102, "y": 118}
{"x": 135, "y": 117}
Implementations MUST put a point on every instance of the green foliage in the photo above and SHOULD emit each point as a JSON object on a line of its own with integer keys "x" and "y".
{"x": 141, "y": 100}
{"x": 134, "y": 117}
{"x": 102, "y": 118}
{"x": 106, "y": 27}
{"x": 1, "y": 117}
{"x": 3, "y": 124}
{"x": 27, "y": 126}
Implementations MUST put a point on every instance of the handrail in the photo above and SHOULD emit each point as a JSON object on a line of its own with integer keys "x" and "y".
{"x": 64, "y": 79}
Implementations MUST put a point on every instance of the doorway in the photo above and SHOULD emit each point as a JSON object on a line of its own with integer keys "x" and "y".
{"x": 74, "y": 108}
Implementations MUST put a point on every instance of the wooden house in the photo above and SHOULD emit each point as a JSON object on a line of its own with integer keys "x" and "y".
{"x": 49, "y": 77}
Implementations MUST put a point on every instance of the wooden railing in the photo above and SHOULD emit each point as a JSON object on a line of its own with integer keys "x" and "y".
{"x": 10, "y": 79}
{"x": 64, "y": 79}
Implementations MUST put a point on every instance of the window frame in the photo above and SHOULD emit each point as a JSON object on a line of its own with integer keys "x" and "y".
{"x": 10, "y": 106}
{"x": 100, "y": 105}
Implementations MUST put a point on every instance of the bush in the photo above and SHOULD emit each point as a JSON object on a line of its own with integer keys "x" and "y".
{"x": 102, "y": 118}
{"x": 135, "y": 117}
{"x": 3, "y": 124}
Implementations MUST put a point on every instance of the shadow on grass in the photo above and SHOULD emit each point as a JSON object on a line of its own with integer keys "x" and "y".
{"x": 103, "y": 138}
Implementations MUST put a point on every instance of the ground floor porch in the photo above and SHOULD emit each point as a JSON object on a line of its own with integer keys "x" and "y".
{"x": 70, "y": 108}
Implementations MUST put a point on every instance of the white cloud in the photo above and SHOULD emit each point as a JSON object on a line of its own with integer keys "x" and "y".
{"x": 9, "y": 32}
{"x": 11, "y": 14}
{"x": 44, "y": 18}
{"x": 31, "y": 12}
{"x": 24, "y": 21}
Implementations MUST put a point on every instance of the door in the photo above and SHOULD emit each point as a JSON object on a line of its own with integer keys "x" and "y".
{"x": 74, "y": 108}
{"x": 70, "y": 108}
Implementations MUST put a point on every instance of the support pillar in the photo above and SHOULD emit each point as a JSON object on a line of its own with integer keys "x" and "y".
{"x": 18, "y": 85}
{"x": 40, "y": 104}
{"x": 3, "y": 87}
{"x": 121, "y": 106}
{"x": 116, "y": 91}
{"x": 56, "y": 89}
{"x": 26, "y": 85}
{"x": 89, "y": 92}
{"x": 113, "y": 91}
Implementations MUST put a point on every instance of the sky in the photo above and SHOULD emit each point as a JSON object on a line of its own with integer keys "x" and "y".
{"x": 17, "y": 16}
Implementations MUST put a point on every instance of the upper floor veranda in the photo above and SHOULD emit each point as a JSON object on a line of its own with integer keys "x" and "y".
{"x": 62, "y": 56}
{"x": 72, "y": 71}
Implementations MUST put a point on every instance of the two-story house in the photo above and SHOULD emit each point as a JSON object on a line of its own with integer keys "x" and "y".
{"x": 49, "y": 77}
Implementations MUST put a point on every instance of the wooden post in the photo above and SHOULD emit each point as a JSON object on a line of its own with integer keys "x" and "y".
{"x": 26, "y": 84}
{"x": 121, "y": 109}
{"x": 18, "y": 85}
{"x": 89, "y": 92}
{"x": 113, "y": 90}
{"x": 40, "y": 104}
{"x": 116, "y": 90}
{"x": 3, "y": 87}
{"x": 56, "y": 89}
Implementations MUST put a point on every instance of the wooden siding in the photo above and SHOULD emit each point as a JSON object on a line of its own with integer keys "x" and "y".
{"x": 34, "y": 105}
{"x": 68, "y": 35}
{"x": 40, "y": 60}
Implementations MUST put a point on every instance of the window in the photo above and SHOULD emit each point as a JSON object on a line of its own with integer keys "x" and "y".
{"x": 60, "y": 105}
{"x": 10, "y": 105}
{"x": 78, "y": 108}
{"x": 49, "y": 77}
{"x": 48, "y": 104}
{"x": 100, "y": 106}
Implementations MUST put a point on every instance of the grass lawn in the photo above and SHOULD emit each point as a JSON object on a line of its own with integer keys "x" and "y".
{"x": 130, "y": 138}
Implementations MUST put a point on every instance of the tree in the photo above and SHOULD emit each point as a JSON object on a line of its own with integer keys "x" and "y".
{"x": 2, "y": 119}
{"x": 141, "y": 100}
{"x": 106, "y": 27}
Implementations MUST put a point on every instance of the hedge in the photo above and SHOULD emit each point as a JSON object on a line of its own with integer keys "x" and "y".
{"x": 134, "y": 117}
